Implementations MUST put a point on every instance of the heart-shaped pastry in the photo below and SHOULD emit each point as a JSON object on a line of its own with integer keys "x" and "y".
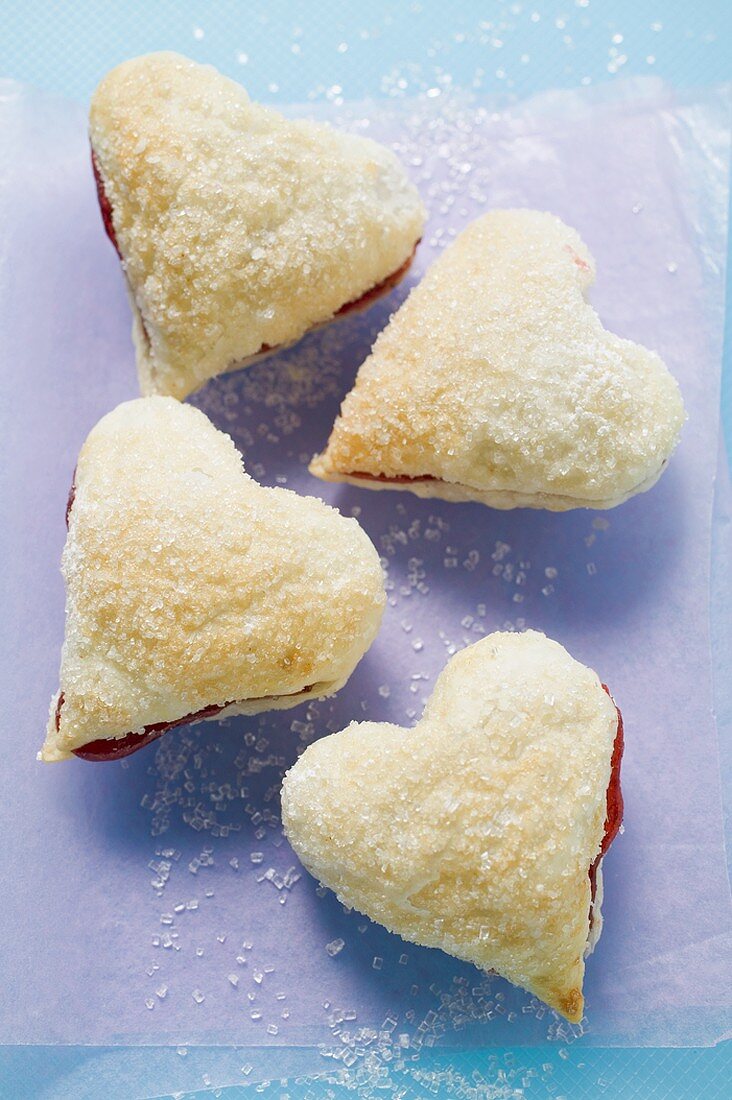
{"x": 481, "y": 829}
{"x": 193, "y": 592}
{"x": 239, "y": 230}
{"x": 496, "y": 382}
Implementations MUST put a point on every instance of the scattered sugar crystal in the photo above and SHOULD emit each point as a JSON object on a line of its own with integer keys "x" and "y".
{"x": 377, "y": 963}
{"x": 198, "y": 996}
{"x": 335, "y": 947}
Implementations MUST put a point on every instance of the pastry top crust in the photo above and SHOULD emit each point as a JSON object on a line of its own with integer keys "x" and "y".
{"x": 473, "y": 832}
{"x": 190, "y": 585}
{"x": 496, "y": 375}
{"x": 238, "y": 228}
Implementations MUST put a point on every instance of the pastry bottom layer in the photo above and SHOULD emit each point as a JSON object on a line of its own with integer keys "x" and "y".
{"x": 428, "y": 486}
{"x": 115, "y": 748}
{"x": 595, "y": 907}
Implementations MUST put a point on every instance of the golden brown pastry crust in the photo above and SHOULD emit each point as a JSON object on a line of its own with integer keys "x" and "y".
{"x": 496, "y": 382}
{"x": 189, "y": 585}
{"x": 474, "y": 831}
{"x": 238, "y": 228}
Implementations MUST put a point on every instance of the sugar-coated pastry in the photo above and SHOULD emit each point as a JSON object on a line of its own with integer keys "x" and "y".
{"x": 238, "y": 229}
{"x": 496, "y": 382}
{"x": 192, "y": 592}
{"x": 482, "y": 829}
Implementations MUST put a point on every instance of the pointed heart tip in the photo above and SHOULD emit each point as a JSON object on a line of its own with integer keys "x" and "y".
{"x": 476, "y": 830}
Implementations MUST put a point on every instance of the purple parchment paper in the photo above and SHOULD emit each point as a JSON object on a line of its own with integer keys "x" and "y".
{"x": 155, "y": 901}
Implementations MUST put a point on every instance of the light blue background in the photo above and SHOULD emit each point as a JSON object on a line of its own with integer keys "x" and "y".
{"x": 290, "y": 50}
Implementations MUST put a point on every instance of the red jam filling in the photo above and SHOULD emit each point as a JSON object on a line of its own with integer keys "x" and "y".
{"x": 71, "y": 498}
{"x": 104, "y": 205}
{"x": 114, "y": 748}
{"x": 614, "y": 804}
{"x": 397, "y": 478}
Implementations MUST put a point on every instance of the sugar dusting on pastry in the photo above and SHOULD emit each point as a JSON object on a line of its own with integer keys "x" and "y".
{"x": 238, "y": 228}
{"x": 474, "y": 831}
{"x": 190, "y": 585}
{"x": 497, "y": 382}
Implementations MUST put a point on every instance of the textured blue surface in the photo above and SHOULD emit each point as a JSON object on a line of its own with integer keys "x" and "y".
{"x": 290, "y": 50}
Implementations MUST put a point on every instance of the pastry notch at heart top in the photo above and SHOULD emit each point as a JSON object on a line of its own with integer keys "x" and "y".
{"x": 239, "y": 230}
{"x": 478, "y": 830}
{"x": 497, "y": 382}
{"x": 192, "y": 591}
